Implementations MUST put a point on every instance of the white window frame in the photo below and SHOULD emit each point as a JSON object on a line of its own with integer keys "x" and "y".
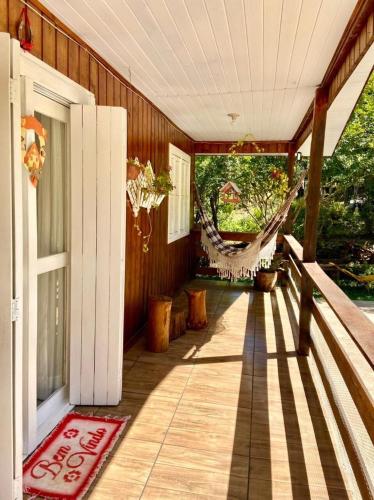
{"x": 179, "y": 202}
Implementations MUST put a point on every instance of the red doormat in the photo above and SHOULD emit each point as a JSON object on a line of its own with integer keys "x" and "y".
{"x": 66, "y": 463}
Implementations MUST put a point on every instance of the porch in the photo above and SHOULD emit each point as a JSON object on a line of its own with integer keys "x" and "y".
{"x": 228, "y": 412}
{"x": 275, "y": 398}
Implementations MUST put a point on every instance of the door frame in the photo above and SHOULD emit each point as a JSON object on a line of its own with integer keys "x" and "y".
{"x": 37, "y": 421}
{"x": 14, "y": 62}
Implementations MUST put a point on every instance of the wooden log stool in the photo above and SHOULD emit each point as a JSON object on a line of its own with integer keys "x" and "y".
{"x": 177, "y": 322}
{"x": 197, "y": 318}
{"x": 159, "y": 313}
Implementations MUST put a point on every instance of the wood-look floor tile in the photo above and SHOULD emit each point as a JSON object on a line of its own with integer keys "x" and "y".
{"x": 172, "y": 387}
{"x": 195, "y": 392}
{"x": 136, "y": 448}
{"x": 148, "y": 400}
{"x": 296, "y": 473}
{"x": 214, "y": 461}
{"x": 228, "y": 425}
{"x": 112, "y": 489}
{"x": 294, "y": 451}
{"x": 86, "y": 410}
{"x": 127, "y": 365}
{"x": 222, "y": 412}
{"x": 146, "y": 413}
{"x": 154, "y": 493}
{"x": 198, "y": 482}
{"x": 237, "y": 443}
{"x": 225, "y": 383}
{"x": 227, "y": 369}
{"x": 123, "y": 468}
{"x": 290, "y": 425}
{"x": 260, "y": 489}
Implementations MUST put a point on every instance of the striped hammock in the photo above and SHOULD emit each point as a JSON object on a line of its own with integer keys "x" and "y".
{"x": 242, "y": 262}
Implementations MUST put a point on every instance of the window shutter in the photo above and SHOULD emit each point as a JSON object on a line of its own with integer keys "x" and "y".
{"x": 98, "y": 153}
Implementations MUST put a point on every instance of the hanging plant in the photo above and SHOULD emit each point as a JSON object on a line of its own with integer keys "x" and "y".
{"x": 134, "y": 167}
{"x": 146, "y": 190}
{"x": 233, "y": 150}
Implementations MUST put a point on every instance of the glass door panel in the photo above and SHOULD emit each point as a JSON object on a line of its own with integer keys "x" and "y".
{"x": 51, "y": 243}
{"x": 51, "y": 190}
{"x": 51, "y": 336}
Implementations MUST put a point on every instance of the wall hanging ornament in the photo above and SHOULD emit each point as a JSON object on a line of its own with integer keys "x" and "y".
{"x": 146, "y": 190}
{"x": 24, "y": 32}
{"x": 33, "y": 157}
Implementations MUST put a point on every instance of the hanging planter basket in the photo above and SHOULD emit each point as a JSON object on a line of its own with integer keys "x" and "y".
{"x": 140, "y": 189}
{"x": 144, "y": 191}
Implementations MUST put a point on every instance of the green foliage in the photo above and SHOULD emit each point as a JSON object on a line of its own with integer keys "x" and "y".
{"x": 262, "y": 182}
{"x": 347, "y": 204}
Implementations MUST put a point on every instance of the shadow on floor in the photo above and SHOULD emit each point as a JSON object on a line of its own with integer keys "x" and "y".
{"x": 229, "y": 412}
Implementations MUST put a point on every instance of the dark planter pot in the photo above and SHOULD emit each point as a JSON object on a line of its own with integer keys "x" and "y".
{"x": 265, "y": 281}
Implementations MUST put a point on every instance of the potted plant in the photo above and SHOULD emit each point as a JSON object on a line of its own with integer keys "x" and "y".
{"x": 134, "y": 167}
{"x": 162, "y": 184}
{"x": 266, "y": 278}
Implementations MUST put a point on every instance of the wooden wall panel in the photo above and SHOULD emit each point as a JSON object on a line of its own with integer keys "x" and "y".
{"x": 165, "y": 267}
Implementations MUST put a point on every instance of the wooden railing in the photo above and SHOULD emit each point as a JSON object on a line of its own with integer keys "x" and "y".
{"x": 361, "y": 331}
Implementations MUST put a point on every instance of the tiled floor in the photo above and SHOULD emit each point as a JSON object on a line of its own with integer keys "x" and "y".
{"x": 228, "y": 412}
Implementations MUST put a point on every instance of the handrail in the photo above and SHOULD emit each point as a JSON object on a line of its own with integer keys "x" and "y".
{"x": 358, "y": 326}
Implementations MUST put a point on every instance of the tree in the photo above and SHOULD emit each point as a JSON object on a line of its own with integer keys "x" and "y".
{"x": 261, "y": 179}
{"x": 348, "y": 176}
{"x": 347, "y": 202}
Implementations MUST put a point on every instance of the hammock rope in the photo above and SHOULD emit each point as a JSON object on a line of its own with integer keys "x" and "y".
{"x": 234, "y": 262}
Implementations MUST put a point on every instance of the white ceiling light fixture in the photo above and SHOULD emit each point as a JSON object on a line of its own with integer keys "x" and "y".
{"x": 233, "y": 116}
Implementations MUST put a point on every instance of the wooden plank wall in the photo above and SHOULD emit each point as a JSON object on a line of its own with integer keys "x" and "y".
{"x": 165, "y": 267}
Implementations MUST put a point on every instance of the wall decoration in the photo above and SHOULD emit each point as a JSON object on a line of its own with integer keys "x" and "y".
{"x": 33, "y": 157}
{"x": 146, "y": 190}
{"x": 24, "y": 32}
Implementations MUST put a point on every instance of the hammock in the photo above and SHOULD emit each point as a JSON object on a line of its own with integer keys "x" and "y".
{"x": 363, "y": 278}
{"x": 242, "y": 262}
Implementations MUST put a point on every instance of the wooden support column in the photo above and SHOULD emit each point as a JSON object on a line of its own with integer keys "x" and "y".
{"x": 291, "y": 159}
{"x": 311, "y": 214}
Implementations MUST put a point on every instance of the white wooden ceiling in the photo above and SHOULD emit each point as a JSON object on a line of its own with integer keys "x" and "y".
{"x": 198, "y": 60}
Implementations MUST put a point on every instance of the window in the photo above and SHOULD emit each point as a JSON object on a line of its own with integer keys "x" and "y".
{"x": 179, "y": 198}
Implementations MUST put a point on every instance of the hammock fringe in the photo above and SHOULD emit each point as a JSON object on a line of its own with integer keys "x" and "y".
{"x": 242, "y": 265}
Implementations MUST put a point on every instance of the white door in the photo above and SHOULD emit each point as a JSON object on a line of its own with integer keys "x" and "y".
{"x": 10, "y": 278}
{"x": 62, "y": 255}
{"x": 46, "y": 245}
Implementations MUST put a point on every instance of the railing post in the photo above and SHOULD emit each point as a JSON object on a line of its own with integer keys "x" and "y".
{"x": 311, "y": 214}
